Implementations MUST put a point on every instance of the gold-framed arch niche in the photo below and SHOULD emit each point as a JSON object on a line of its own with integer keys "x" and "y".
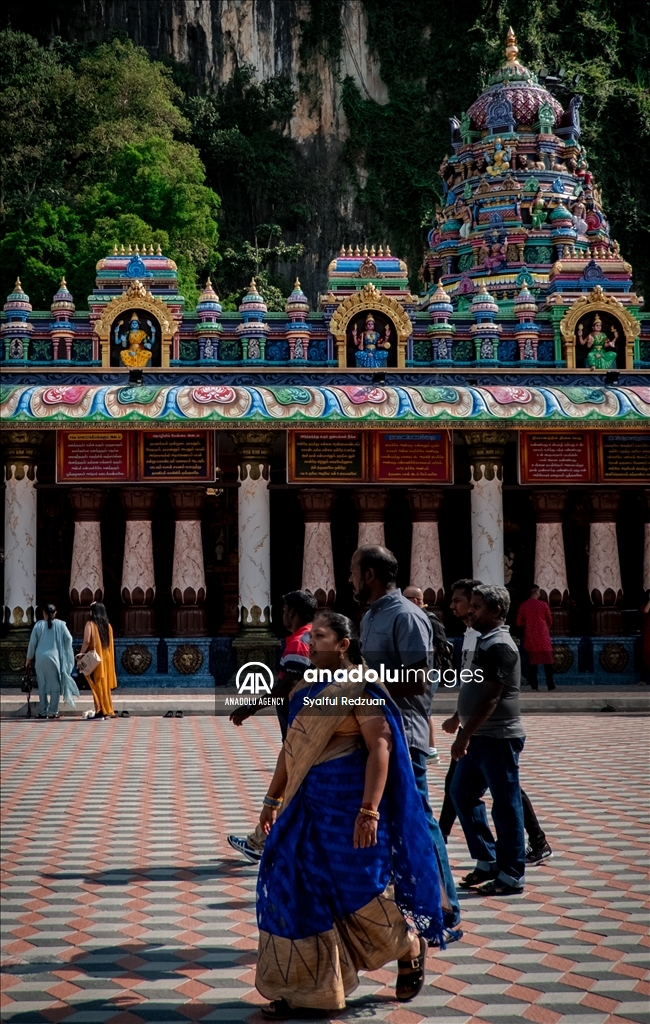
{"x": 372, "y": 299}
{"x": 597, "y": 301}
{"x": 136, "y": 295}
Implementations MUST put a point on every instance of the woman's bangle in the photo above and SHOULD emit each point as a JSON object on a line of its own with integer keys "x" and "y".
{"x": 368, "y": 813}
{"x": 270, "y": 801}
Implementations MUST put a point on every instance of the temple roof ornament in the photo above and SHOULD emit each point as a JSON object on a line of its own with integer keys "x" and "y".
{"x": 62, "y": 301}
{"x": 297, "y": 304}
{"x": 518, "y": 86}
{"x": 208, "y": 299}
{"x": 253, "y": 303}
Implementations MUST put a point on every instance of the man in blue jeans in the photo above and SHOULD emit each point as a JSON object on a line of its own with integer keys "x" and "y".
{"x": 396, "y": 633}
{"x": 487, "y": 750}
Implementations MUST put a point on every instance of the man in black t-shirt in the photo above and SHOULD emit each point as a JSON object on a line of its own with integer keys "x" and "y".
{"x": 487, "y": 750}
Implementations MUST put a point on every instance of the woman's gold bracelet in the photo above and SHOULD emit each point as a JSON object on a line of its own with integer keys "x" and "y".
{"x": 270, "y": 801}
{"x": 368, "y": 813}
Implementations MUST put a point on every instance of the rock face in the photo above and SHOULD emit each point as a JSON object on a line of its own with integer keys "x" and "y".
{"x": 213, "y": 38}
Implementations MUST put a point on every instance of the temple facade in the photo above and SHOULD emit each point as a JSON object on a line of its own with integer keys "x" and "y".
{"x": 190, "y": 467}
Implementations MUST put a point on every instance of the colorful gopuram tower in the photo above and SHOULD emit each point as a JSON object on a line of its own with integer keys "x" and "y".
{"x": 522, "y": 210}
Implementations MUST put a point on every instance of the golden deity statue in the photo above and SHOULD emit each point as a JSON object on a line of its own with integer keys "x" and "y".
{"x": 135, "y": 341}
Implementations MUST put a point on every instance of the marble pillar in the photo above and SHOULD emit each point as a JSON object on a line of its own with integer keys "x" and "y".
{"x": 426, "y": 565}
{"x": 645, "y": 498}
{"x": 318, "y": 558}
{"x": 20, "y": 454}
{"x": 371, "y": 505}
{"x": 255, "y": 642}
{"x": 188, "y": 573}
{"x": 550, "y": 563}
{"x": 486, "y": 449}
{"x": 86, "y": 572}
{"x": 604, "y": 572}
{"x": 138, "y": 587}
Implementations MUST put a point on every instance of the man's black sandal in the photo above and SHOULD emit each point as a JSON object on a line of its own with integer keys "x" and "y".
{"x": 476, "y": 878}
{"x": 279, "y": 1009}
{"x": 410, "y": 983}
{"x": 497, "y": 888}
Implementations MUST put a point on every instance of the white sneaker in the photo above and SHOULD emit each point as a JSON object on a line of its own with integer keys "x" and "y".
{"x": 433, "y": 757}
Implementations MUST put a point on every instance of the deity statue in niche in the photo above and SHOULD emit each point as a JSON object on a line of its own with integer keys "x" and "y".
{"x": 597, "y": 347}
{"x": 371, "y": 336}
{"x": 493, "y": 252}
{"x": 135, "y": 337}
{"x": 500, "y": 159}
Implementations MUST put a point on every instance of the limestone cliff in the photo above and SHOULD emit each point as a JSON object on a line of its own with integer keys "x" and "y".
{"x": 213, "y": 38}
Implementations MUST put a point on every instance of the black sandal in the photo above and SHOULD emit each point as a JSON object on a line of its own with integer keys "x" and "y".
{"x": 168, "y": 714}
{"x": 124, "y": 714}
{"x": 476, "y": 878}
{"x": 279, "y": 1009}
{"x": 179, "y": 714}
{"x": 409, "y": 984}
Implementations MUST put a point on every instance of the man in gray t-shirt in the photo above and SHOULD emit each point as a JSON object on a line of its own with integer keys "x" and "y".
{"x": 487, "y": 750}
{"x": 397, "y": 634}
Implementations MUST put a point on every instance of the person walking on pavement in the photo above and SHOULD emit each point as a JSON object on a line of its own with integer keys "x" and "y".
{"x": 487, "y": 749}
{"x": 98, "y": 637}
{"x": 396, "y": 634}
{"x": 50, "y": 647}
{"x": 347, "y": 854}
{"x": 535, "y": 617}
{"x": 297, "y": 617}
{"x": 538, "y": 848}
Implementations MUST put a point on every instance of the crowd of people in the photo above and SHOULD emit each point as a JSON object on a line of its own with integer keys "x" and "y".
{"x": 353, "y": 866}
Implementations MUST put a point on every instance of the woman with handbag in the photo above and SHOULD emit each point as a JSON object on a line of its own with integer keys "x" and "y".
{"x": 96, "y": 660}
{"x": 50, "y": 647}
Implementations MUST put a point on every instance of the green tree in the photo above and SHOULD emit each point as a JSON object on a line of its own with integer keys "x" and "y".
{"x": 36, "y": 136}
{"x": 96, "y": 155}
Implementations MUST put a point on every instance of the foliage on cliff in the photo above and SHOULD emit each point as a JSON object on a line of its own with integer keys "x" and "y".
{"x": 94, "y": 154}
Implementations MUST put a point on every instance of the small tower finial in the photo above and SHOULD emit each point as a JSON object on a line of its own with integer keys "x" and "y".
{"x": 511, "y": 46}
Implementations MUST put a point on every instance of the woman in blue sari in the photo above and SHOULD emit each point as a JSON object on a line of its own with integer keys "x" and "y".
{"x": 348, "y": 880}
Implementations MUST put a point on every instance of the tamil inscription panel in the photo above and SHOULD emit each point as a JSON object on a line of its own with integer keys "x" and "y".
{"x": 326, "y": 456}
{"x": 554, "y": 457}
{"x": 412, "y": 457}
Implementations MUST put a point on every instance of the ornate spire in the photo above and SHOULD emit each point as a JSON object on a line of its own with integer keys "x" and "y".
{"x": 511, "y": 46}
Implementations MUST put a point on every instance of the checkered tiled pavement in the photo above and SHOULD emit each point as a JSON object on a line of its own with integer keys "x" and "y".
{"x": 123, "y": 902}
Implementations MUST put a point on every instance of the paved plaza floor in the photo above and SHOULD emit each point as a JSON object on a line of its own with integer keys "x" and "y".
{"x": 123, "y": 902}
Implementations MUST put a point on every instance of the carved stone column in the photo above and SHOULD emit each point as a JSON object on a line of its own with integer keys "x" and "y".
{"x": 645, "y": 498}
{"x": 371, "y": 505}
{"x": 426, "y": 565}
{"x": 318, "y": 559}
{"x": 604, "y": 573}
{"x": 486, "y": 467}
{"x": 20, "y": 454}
{"x": 550, "y": 564}
{"x": 86, "y": 572}
{"x": 138, "y": 588}
{"x": 188, "y": 573}
{"x": 256, "y": 642}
